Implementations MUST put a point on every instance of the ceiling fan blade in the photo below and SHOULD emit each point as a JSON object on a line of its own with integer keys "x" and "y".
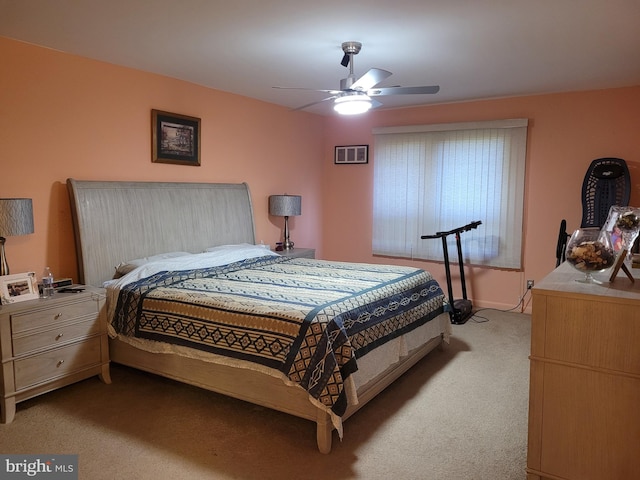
{"x": 313, "y": 103}
{"x": 403, "y": 90}
{"x": 370, "y": 79}
{"x": 332, "y": 92}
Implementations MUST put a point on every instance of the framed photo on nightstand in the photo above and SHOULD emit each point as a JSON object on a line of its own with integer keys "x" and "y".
{"x": 18, "y": 288}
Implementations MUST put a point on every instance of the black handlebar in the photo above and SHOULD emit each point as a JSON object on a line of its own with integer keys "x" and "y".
{"x": 469, "y": 226}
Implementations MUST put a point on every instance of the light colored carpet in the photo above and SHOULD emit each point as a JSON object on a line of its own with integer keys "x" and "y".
{"x": 458, "y": 414}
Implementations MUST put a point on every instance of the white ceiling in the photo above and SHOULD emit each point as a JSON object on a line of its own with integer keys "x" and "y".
{"x": 471, "y": 48}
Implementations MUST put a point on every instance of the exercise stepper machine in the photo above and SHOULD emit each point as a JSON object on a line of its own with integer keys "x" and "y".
{"x": 461, "y": 309}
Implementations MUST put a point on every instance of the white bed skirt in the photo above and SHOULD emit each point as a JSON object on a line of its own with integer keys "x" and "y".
{"x": 369, "y": 366}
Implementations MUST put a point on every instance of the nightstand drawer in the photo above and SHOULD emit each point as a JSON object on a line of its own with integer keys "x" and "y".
{"x": 54, "y": 315}
{"x": 54, "y": 363}
{"x": 55, "y": 336}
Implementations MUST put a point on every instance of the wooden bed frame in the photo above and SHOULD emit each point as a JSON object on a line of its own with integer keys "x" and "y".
{"x": 120, "y": 221}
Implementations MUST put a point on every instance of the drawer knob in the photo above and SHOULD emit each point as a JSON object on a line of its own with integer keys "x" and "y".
{"x": 59, "y": 336}
{"x": 60, "y": 362}
{"x": 57, "y": 316}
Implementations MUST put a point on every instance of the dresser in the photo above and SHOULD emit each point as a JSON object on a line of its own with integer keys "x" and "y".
{"x": 584, "y": 397}
{"x": 49, "y": 343}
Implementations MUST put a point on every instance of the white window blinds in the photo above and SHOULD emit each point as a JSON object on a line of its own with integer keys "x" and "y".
{"x": 436, "y": 178}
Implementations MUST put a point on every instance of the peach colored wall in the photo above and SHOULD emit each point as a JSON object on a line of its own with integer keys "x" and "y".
{"x": 566, "y": 132}
{"x": 65, "y": 116}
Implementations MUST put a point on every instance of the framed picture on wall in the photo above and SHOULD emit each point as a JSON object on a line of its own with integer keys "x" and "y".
{"x": 350, "y": 154}
{"x": 175, "y": 138}
{"x": 18, "y": 287}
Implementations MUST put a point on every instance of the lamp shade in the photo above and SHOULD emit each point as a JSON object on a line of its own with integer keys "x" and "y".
{"x": 16, "y": 216}
{"x": 352, "y": 104}
{"x": 285, "y": 205}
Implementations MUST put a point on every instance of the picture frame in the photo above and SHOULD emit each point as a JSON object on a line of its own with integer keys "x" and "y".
{"x": 19, "y": 287}
{"x": 619, "y": 265}
{"x": 351, "y": 154}
{"x": 175, "y": 138}
{"x": 623, "y": 227}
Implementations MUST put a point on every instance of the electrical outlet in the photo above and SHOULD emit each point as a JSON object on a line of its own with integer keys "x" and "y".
{"x": 530, "y": 284}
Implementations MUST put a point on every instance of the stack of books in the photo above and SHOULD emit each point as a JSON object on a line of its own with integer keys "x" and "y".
{"x": 58, "y": 283}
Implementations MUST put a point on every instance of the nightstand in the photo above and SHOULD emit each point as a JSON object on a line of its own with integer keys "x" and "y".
{"x": 48, "y": 343}
{"x": 299, "y": 253}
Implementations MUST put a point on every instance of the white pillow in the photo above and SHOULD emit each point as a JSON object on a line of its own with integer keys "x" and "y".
{"x": 237, "y": 247}
{"x": 126, "y": 267}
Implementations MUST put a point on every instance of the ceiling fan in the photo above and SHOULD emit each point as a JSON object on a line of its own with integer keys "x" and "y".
{"x": 354, "y": 96}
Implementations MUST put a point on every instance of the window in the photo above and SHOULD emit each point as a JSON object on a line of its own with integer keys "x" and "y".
{"x": 435, "y": 178}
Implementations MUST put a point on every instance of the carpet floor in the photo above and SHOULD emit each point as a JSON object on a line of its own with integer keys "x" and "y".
{"x": 459, "y": 414}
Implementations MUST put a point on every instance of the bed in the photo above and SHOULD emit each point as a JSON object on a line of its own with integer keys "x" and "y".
{"x": 192, "y": 298}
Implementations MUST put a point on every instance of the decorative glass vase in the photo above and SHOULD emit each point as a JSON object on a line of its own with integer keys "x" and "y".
{"x": 589, "y": 250}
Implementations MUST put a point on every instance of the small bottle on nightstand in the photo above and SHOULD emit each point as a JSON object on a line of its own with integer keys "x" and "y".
{"x": 47, "y": 283}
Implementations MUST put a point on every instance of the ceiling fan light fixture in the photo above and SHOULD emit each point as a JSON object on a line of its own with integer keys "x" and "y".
{"x": 352, "y": 104}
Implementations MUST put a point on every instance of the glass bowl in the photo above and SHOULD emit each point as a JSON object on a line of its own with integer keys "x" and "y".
{"x": 589, "y": 250}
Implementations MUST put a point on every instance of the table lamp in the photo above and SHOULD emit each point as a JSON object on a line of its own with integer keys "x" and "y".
{"x": 16, "y": 218}
{"x": 285, "y": 206}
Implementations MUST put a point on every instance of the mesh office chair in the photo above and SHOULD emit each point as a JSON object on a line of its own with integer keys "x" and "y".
{"x": 561, "y": 247}
{"x": 605, "y": 184}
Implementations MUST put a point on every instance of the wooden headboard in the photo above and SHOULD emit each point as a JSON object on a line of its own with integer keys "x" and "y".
{"x": 120, "y": 221}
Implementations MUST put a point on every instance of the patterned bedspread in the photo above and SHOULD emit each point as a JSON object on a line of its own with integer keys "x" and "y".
{"x": 310, "y": 319}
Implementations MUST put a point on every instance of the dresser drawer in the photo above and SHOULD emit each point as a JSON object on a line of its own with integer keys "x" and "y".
{"x": 53, "y": 315}
{"x": 59, "y": 335}
{"x": 55, "y": 363}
